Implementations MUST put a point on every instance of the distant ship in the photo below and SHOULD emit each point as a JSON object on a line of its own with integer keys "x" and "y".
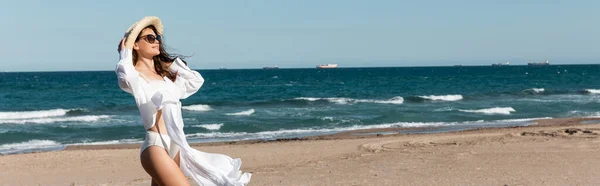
{"x": 270, "y": 67}
{"x": 501, "y": 64}
{"x": 539, "y": 64}
{"x": 328, "y": 66}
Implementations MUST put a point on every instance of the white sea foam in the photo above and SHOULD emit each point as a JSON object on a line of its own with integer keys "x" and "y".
{"x": 197, "y": 107}
{"x": 339, "y": 120}
{"x": 539, "y": 100}
{"x": 593, "y": 91}
{"x": 327, "y": 118}
{"x": 243, "y": 113}
{"x": 110, "y": 142}
{"x": 535, "y": 90}
{"x": 573, "y": 98}
{"x": 585, "y": 114}
{"x": 597, "y": 115}
{"x": 341, "y": 101}
{"x": 522, "y": 119}
{"x": 291, "y": 132}
{"x": 495, "y": 110}
{"x": 89, "y": 118}
{"x": 31, "y": 145}
{"x": 210, "y": 126}
{"x": 443, "y": 98}
{"x": 299, "y": 132}
{"x": 445, "y": 109}
{"x": 309, "y": 99}
{"x": 344, "y": 101}
{"x": 33, "y": 114}
{"x": 394, "y": 100}
{"x": 227, "y": 136}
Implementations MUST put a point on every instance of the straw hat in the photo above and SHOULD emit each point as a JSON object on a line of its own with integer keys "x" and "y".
{"x": 135, "y": 29}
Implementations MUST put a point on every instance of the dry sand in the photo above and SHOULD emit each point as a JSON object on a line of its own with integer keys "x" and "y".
{"x": 554, "y": 152}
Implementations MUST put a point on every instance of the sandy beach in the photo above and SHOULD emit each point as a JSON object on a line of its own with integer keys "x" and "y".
{"x": 552, "y": 152}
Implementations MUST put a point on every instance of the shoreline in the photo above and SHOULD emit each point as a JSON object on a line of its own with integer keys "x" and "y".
{"x": 352, "y": 134}
{"x": 552, "y": 152}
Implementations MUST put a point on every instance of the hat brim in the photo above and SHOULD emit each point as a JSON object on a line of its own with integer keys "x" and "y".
{"x": 132, "y": 33}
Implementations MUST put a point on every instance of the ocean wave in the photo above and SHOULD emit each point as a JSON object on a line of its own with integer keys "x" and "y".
{"x": 35, "y": 114}
{"x": 329, "y": 118}
{"x": 394, "y": 100}
{"x": 443, "y": 98}
{"x": 291, "y": 132}
{"x": 339, "y": 120}
{"x": 574, "y": 98}
{"x": 210, "y": 126}
{"x": 242, "y": 113}
{"x": 445, "y": 109}
{"x": 90, "y": 118}
{"x": 522, "y": 119}
{"x": 332, "y": 100}
{"x": 299, "y": 132}
{"x": 592, "y": 91}
{"x": 585, "y": 114}
{"x": 495, "y": 110}
{"x": 29, "y": 146}
{"x": 535, "y": 90}
{"x": 110, "y": 142}
{"x": 344, "y": 101}
{"x": 197, "y": 107}
{"x": 539, "y": 100}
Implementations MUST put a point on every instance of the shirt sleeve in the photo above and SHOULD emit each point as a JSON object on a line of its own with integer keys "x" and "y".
{"x": 125, "y": 70}
{"x": 187, "y": 79}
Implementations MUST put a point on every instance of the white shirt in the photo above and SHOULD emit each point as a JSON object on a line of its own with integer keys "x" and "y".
{"x": 204, "y": 168}
{"x": 149, "y": 101}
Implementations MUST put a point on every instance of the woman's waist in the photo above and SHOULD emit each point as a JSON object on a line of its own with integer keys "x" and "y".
{"x": 160, "y": 129}
{"x": 155, "y": 132}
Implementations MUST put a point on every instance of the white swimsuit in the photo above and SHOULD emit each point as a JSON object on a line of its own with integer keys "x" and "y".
{"x": 154, "y": 138}
{"x": 161, "y": 140}
{"x": 204, "y": 168}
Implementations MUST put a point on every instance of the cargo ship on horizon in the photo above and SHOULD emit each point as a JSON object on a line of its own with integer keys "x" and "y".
{"x": 539, "y": 64}
{"x": 270, "y": 67}
{"x": 328, "y": 66}
{"x": 501, "y": 64}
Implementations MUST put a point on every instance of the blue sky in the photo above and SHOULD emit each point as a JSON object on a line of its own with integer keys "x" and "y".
{"x": 83, "y": 35}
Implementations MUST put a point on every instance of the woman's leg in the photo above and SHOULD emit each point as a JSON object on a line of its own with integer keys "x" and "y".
{"x": 164, "y": 171}
{"x": 174, "y": 149}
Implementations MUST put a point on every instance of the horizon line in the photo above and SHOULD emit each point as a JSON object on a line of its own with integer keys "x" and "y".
{"x": 349, "y": 67}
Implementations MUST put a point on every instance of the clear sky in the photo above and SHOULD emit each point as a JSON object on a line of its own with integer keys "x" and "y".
{"x": 83, "y": 35}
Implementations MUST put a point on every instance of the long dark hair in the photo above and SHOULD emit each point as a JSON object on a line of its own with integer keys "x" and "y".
{"x": 160, "y": 58}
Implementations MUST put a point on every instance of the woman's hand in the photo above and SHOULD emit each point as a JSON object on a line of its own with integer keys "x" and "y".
{"x": 121, "y": 45}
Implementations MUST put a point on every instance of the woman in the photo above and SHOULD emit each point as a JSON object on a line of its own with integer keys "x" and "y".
{"x": 157, "y": 82}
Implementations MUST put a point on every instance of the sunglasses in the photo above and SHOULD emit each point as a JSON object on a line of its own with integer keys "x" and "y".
{"x": 151, "y": 38}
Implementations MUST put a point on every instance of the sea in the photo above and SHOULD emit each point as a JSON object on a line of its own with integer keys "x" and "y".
{"x": 42, "y": 111}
